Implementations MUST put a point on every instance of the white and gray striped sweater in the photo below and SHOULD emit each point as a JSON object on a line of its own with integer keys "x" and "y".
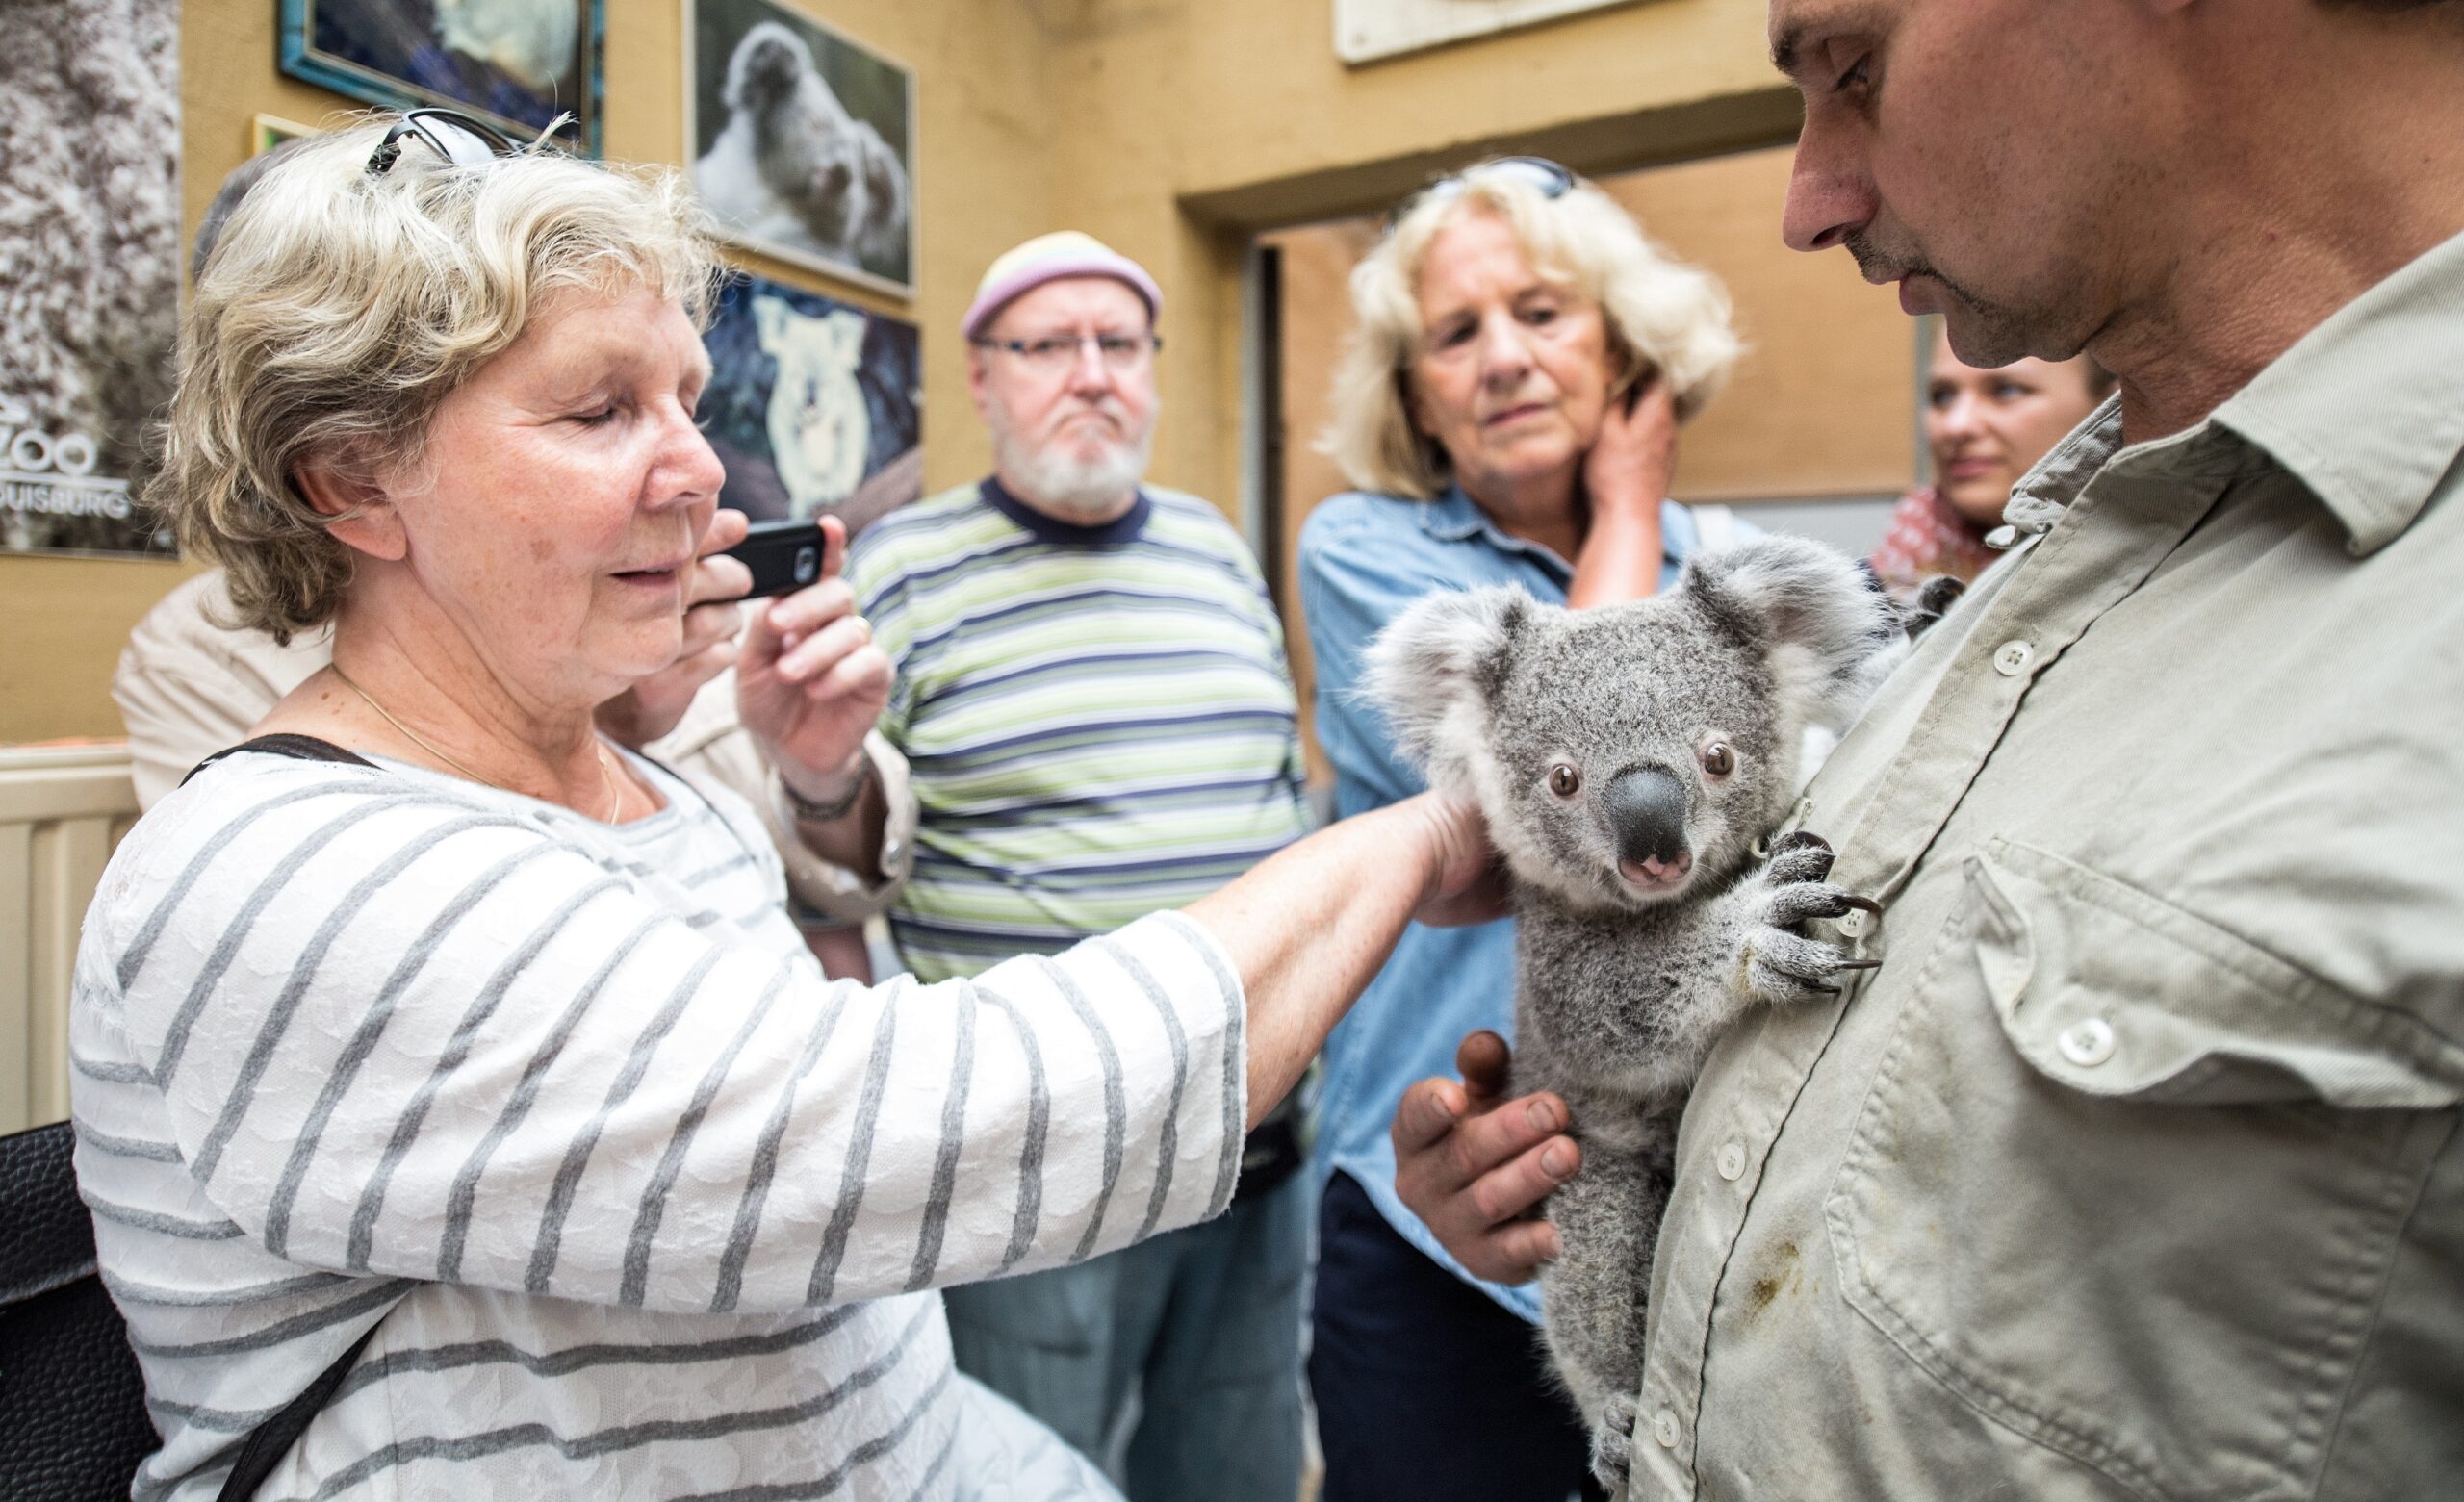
{"x": 647, "y": 1207}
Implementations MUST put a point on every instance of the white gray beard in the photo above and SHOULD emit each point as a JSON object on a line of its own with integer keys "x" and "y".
{"x": 1055, "y": 481}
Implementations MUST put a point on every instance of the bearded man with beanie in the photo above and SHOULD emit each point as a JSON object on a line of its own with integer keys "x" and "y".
{"x": 1093, "y": 700}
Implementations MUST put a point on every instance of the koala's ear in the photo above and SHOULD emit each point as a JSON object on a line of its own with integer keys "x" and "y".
{"x": 769, "y": 323}
{"x": 1830, "y": 636}
{"x": 1432, "y": 669}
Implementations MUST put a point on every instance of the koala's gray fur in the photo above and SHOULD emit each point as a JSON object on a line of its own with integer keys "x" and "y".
{"x": 1647, "y": 919}
{"x": 793, "y": 164}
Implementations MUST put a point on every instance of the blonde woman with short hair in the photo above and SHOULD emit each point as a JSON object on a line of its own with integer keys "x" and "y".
{"x": 460, "y": 1111}
{"x": 1508, "y": 411}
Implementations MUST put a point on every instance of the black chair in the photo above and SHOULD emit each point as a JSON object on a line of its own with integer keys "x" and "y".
{"x": 72, "y": 1406}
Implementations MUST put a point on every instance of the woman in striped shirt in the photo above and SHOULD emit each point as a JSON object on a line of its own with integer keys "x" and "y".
{"x": 431, "y": 1044}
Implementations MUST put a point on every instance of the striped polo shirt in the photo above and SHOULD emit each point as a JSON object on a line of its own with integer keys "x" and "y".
{"x": 1099, "y": 719}
{"x": 640, "y": 1203}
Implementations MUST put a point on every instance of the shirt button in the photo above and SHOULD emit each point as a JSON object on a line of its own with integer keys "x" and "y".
{"x": 2002, "y": 539}
{"x": 1733, "y": 1160}
{"x": 1664, "y": 1429}
{"x": 2012, "y": 658}
{"x": 1854, "y": 921}
{"x": 2088, "y": 1042}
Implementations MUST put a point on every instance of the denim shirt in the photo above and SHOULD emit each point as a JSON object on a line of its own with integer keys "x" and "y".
{"x": 1363, "y": 558}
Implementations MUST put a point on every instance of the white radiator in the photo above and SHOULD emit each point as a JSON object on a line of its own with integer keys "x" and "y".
{"x": 61, "y": 810}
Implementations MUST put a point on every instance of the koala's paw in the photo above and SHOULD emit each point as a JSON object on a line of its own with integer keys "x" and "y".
{"x": 1612, "y": 1444}
{"x": 1775, "y": 960}
{"x": 1934, "y": 600}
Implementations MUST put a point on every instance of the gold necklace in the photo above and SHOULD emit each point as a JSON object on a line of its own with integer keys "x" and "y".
{"x": 606, "y": 775}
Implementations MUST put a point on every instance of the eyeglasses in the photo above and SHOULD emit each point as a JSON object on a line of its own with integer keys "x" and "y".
{"x": 455, "y": 136}
{"x": 1055, "y": 353}
{"x": 1538, "y": 172}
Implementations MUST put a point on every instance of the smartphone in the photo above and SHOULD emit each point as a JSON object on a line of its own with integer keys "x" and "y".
{"x": 785, "y": 556}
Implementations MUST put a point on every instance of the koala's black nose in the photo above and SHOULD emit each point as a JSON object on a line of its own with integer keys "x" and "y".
{"x": 1645, "y": 807}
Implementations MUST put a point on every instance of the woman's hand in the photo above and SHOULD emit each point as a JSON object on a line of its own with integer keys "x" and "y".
{"x": 1635, "y": 457}
{"x": 1624, "y": 477}
{"x": 657, "y": 704}
{"x": 810, "y": 683}
{"x": 1474, "y": 1165}
{"x": 1465, "y": 885}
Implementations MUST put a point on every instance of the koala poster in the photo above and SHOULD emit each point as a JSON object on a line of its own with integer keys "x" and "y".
{"x": 801, "y": 141}
{"x": 517, "y": 64}
{"x": 813, "y": 404}
{"x": 90, "y": 267}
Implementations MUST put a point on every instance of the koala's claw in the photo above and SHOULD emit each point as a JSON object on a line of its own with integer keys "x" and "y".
{"x": 1797, "y": 861}
{"x": 1778, "y": 960}
{"x": 1612, "y": 1442}
{"x": 1791, "y": 904}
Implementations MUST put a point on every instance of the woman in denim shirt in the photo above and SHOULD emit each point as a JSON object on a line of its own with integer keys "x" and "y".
{"x": 1509, "y": 413}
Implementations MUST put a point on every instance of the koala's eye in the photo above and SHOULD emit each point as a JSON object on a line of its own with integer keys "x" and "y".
{"x": 1564, "y": 780}
{"x": 1718, "y": 760}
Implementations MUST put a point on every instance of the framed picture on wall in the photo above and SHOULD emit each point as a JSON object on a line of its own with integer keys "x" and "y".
{"x": 814, "y": 405}
{"x": 517, "y": 64}
{"x": 91, "y": 255}
{"x": 268, "y": 131}
{"x": 803, "y": 143}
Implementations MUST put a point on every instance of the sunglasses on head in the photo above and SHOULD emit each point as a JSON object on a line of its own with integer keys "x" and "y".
{"x": 1537, "y": 172}
{"x": 455, "y": 136}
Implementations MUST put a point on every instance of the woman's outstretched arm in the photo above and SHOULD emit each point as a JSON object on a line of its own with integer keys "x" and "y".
{"x": 1307, "y": 929}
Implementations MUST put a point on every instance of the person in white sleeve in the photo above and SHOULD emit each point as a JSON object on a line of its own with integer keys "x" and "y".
{"x": 460, "y": 1111}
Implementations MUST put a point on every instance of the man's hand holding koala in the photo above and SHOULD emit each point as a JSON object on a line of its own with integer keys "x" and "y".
{"x": 1473, "y": 1165}
{"x": 1633, "y": 762}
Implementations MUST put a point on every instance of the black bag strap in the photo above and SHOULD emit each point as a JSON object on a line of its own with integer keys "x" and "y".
{"x": 270, "y": 1441}
{"x": 303, "y": 748}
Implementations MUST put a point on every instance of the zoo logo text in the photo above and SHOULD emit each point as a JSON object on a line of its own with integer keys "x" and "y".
{"x": 53, "y": 475}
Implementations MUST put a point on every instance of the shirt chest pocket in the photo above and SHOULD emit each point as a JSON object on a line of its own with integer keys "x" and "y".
{"x": 2129, "y": 1184}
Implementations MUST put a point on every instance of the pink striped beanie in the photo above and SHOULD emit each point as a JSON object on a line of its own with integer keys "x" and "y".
{"x": 1048, "y": 257}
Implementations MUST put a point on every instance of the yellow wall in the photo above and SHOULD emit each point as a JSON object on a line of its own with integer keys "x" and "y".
{"x": 1172, "y": 128}
{"x": 1193, "y": 123}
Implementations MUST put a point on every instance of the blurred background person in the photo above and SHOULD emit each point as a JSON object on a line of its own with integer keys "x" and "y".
{"x": 1092, "y": 690}
{"x": 1984, "y": 428}
{"x": 1509, "y": 415}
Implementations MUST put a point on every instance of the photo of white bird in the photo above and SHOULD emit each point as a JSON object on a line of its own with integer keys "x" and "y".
{"x": 793, "y": 170}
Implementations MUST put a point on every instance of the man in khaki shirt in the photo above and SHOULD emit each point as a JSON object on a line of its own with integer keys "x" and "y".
{"x": 2134, "y": 1171}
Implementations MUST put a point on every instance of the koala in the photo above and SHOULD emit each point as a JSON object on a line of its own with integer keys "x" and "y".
{"x": 792, "y": 164}
{"x": 1633, "y": 762}
{"x": 820, "y": 430}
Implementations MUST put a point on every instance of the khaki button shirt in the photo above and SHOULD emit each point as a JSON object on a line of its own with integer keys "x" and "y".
{"x": 2134, "y": 1171}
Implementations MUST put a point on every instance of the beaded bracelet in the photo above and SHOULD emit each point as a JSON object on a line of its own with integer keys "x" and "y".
{"x": 807, "y": 811}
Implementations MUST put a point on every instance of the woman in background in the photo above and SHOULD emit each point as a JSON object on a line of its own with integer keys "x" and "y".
{"x": 1986, "y": 428}
{"x": 1509, "y": 415}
